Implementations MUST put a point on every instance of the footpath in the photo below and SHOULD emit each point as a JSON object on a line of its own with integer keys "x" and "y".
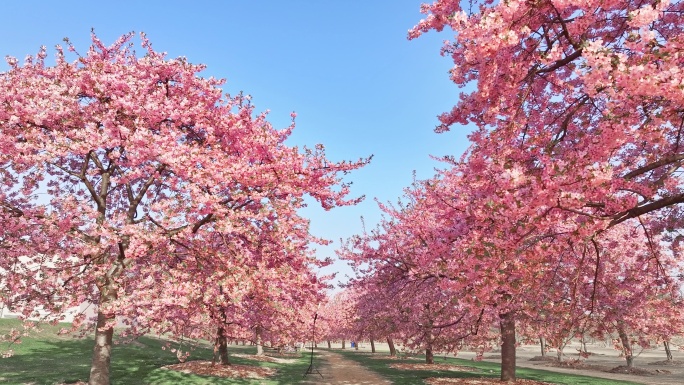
{"x": 337, "y": 370}
{"x": 676, "y": 377}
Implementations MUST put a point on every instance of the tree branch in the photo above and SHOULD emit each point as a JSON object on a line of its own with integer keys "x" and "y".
{"x": 647, "y": 208}
{"x": 654, "y": 165}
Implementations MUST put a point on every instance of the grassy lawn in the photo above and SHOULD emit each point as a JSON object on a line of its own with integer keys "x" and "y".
{"x": 47, "y": 359}
{"x": 486, "y": 369}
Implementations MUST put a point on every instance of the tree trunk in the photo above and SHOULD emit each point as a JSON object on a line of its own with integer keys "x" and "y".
{"x": 356, "y": 345}
{"x": 626, "y": 346}
{"x": 429, "y": 356}
{"x": 259, "y": 344}
{"x": 507, "y": 324}
{"x": 543, "y": 346}
{"x": 393, "y": 350}
{"x": 221, "y": 346}
{"x": 102, "y": 352}
{"x": 343, "y": 345}
{"x": 668, "y": 352}
{"x": 104, "y": 333}
{"x": 372, "y": 346}
{"x": 244, "y": 342}
{"x": 329, "y": 347}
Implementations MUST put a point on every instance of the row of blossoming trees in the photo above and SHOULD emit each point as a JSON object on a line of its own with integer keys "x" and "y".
{"x": 133, "y": 183}
{"x": 564, "y": 217}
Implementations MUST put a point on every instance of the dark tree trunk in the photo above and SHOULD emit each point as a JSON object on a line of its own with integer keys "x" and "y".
{"x": 626, "y": 346}
{"x": 507, "y": 324}
{"x": 221, "y": 347}
{"x": 372, "y": 346}
{"x": 343, "y": 344}
{"x": 393, "y": 350}
{"x": 356, "y": 345}
{"x": 668, "y": 352}
{"x": 102, "y": 352}
{"x": 244, "y": 342}
{"x": 429, "y": 356}
{"x": 543, "y": 346}
{"x": 329, "y": 346}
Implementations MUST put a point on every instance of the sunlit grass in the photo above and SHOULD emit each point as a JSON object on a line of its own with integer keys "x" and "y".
{"x": 47, "y": 358}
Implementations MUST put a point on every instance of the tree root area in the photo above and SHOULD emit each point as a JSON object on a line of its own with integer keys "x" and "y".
{"x": 668, "y": 363}
{"x": 478, "y": 381}
{"x": 445, "y": 367}
{"x": 622, "y": 369}
{"x": 205, "y": 368}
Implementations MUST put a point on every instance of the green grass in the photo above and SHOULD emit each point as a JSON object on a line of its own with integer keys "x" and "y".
{"x": 485, "y": 369}
{"x": 46, "y": 359}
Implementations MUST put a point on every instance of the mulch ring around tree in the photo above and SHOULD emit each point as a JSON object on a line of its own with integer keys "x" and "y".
{"x": 668, "y": 363}
{"x": 205, "y": 368}
{"x": 386, "y": 357}
{"x": 544, "y": 359}
{"x": 478, "y": 381}
{"x": 265, "y": 358}
{"x": 445, "y": 367}
{"x": 623, "y": 369}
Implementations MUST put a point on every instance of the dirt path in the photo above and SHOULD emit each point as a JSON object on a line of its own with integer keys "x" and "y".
{"x": 337, "y": 370}
{"x": 607, "y": 357}
{"x": 675, "y": 378}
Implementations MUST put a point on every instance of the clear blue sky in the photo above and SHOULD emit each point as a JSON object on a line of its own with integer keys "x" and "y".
{"x": 357, "y": 84}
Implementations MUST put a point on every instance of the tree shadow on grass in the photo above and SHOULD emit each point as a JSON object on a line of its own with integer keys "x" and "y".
{"x": 68, "y": 361}
{"x": 48, "y": 362}
{"x": 287, "y": 374}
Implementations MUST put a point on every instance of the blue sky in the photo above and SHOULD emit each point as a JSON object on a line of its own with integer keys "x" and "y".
{"x": 358, "y": 85}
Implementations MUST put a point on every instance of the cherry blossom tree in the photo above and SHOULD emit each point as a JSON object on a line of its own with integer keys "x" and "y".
{"x": 258, "y": 289}
{"x": 406, "y": 267}
{"x": 326, "y": 325}
{"x": 117, "y": 167}
{"x": 374, "y": 307}
{"x": 440, "y": 243}
{"x": 630, "y": 290}
{"x": 336, "y": 317}
{"x": 581, "y": 134}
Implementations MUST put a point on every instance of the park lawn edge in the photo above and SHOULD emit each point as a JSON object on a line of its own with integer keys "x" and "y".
{"x": 381, "y": 366}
